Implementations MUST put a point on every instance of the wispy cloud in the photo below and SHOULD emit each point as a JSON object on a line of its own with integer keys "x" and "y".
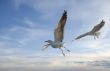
{"x": 88, "y": 54}
{"x": 23, "y": 34}
{"x": 76, "y": 11}
{"x": 53, "y": 63}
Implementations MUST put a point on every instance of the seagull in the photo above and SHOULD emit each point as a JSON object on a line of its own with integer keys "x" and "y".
{"x": 58, "y": 35}
{"x": 94, "y": 32}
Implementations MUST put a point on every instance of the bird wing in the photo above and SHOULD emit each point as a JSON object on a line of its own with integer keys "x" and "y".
{"x": 95, "y": 29}
{"x": 83, "y": 35}
{"x": 59, "y": 30}
{"x": 98, "y": 27}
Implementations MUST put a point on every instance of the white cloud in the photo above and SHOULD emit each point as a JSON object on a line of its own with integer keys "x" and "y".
{"x": 22, "y": 34}
{"x": 91, "y": 12}
{"x": 54, "y": 63}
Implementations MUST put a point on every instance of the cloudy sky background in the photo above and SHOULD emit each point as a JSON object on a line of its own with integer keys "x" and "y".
{"x": 26, "y": 24}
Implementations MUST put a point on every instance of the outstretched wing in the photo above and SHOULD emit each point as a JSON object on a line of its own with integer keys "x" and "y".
{"x": 98, "y": 27}
{"x": 95, "y": 29}
{"x": 59, "y": 30}
{"x": 83, "y": 35}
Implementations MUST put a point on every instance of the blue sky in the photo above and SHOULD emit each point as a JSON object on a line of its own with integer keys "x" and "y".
{"x": 26, "y": 24}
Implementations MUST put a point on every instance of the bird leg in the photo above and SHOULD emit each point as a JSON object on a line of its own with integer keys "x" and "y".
{"x": 62, "y": 52}
{"x": 45, "y": 46}
{"x": 94, "y": 37}
{"x": 67, "y": 49}
{"x": 97, "y": 36}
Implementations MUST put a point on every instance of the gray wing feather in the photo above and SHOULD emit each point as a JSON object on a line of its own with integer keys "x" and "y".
{"x": 98, "y": 27}
{"x": 59, "y": 30}
{"x": 94, "y": 30}
{"x": 83, "y": 35}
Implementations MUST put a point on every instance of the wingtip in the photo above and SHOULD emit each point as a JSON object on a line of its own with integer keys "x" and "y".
{"x": 65, "y": 11}
{"x": 76, "y": 39}
{"x": 103, "y": 21}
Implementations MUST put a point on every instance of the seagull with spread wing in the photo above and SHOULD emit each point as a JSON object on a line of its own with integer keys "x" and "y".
{"x": 94, "y": 32}
{"x": 58, "y": 35}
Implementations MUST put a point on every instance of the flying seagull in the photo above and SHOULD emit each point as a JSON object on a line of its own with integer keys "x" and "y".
{"x": 58, "y": 35}
{"x": 94, "y": 32}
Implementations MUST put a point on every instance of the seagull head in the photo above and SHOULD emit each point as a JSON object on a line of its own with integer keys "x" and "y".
{"x": 49, "y": 41}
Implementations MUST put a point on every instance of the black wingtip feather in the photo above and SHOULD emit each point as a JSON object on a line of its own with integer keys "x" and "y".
{"x": 65, "y": 12}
